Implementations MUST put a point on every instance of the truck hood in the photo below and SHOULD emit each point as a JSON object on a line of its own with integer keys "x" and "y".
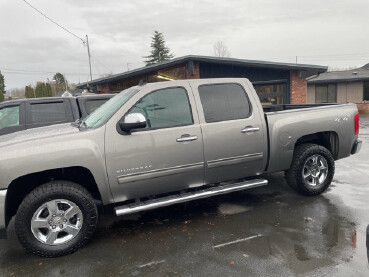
{"x": 37, "y": 134}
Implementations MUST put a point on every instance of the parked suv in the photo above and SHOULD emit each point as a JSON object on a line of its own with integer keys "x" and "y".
{"x": 18, "y": 115}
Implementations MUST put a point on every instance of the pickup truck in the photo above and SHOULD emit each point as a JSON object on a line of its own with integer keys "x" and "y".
{"x": 159, "y": 144}
{"x": 23, "y": 114}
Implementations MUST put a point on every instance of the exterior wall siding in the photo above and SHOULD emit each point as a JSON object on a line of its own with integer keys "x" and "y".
{"x": 355, "y": 92}
{"x": 342, "y": 93}
{"x": 310, "y": 94}
{"x": 298, "y": 88}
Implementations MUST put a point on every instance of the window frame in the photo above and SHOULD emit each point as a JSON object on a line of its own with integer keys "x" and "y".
{"x": 158, "y": 128}
{"x": 326, "y": 85}
{"x": 243, "y": 89}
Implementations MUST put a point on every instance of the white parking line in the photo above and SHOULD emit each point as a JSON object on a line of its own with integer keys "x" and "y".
{"x": 236, "y": 241}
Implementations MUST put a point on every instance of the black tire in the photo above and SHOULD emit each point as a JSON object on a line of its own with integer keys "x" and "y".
{"x": 49, "y": 192}
{"x": 294, "y": 175}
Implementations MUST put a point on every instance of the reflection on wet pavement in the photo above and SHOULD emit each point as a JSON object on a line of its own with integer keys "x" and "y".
{"x": 261, "y": 232}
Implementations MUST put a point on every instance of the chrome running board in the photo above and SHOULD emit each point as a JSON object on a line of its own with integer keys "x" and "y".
{"x": 223, "y": 188}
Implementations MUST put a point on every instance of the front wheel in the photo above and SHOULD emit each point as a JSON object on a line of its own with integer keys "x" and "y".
{"x": 312, "y": 169}
{"x": 56, "y": 219}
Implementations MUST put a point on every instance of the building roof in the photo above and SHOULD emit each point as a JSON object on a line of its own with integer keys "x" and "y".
{"x": 359, "y": 74}
{"x": 217, "y": 60}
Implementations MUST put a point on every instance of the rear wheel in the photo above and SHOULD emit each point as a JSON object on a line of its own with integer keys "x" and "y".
{"x": 312, "y": 169}
{"x": 56, "y": 219}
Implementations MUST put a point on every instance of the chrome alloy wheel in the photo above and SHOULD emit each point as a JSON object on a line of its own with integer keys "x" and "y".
{"x": 315, "y": 170}
{"x": 57, "y": 222}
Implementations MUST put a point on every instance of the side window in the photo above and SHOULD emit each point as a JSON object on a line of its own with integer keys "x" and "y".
{"x": 48, "y": 113}
{"x": 92, "y": 105}
{"x": 223, "y": 102}
{"x": 9, "y": 116}
{"x": 165, "y": 108}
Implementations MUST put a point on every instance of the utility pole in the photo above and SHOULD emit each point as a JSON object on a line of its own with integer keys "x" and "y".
{"x": 296, "y": 59}
{"x": 89, "y": 56}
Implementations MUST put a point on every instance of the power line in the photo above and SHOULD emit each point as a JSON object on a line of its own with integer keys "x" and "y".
{"x": 34, "y": 72}
{"x": 57, "y": 24}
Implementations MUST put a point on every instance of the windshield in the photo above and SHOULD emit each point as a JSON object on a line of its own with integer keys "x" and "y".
{"x": 102, "y": 114}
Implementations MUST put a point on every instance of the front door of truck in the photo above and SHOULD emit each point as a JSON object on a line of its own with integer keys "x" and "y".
{"x": 165, "y": 156}
{"x": 235, "y": 141}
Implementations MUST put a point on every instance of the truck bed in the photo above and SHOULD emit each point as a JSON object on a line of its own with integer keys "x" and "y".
{"x": 284, "y": 107}
{"x": 287, "y": 125}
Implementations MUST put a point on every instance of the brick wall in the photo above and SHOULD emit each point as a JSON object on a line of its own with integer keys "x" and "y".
{"x": 196, "y": 66}
{"x": 103, "y": 88}
{"x": 363, "y": 106}
{"x": 298, "y": 88}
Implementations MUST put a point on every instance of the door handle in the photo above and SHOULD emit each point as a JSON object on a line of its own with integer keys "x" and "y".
{"x": 250, "y": 129}
{"x": 186, "y": 137}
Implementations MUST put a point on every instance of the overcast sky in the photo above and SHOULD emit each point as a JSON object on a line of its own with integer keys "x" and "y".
{"x": 330, "y": 32}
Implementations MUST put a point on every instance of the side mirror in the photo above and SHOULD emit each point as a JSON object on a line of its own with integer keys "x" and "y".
{"x": 132, "y": 121}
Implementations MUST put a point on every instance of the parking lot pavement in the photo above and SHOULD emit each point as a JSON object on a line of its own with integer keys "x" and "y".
{"x": 264, "y": 231}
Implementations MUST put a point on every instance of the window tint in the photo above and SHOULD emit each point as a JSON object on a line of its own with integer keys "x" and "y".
{"x": 165, "y": 108}
{"x": 92, "y": 105}
{"x": 9, "y": 116}
{"x": 224, "y": 102}
{"x": 326, "y": 93}
{"x": 366, "y": 91}
{"x": 48, "y": 112}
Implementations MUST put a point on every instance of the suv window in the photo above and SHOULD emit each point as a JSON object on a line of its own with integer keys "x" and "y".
{"x": 92, "y": 105}
{"x": 223, "y": 102}
{"x": 48, "y": 112}
{"x": 9, "y": 116}
{"x": 165, "y": 108}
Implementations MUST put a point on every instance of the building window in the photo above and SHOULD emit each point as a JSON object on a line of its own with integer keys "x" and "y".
{"x": 326, "y": 93}
{"x": 366, "y": 91}
{"x": 271, "y": 93}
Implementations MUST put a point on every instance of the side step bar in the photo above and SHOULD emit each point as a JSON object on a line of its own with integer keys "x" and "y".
{"x": 189, "y": 196}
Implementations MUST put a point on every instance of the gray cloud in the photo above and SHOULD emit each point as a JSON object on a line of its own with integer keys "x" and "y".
{"x": 319, "y": 32}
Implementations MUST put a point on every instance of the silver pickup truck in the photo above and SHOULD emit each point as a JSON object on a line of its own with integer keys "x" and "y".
{"x": 160, "y": 144}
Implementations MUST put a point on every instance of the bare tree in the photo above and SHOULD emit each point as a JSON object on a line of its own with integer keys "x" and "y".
{"x": 221, "y": 50}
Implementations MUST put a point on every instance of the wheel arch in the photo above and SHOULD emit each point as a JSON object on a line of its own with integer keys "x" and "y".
{"x": 327, "y": 139}
{"x": 17, "y": 189}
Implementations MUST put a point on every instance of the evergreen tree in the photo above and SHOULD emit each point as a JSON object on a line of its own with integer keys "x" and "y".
{"x": 40, "y": 89}
{"x": 59, "y": 81}
{"x": 159, "y": 52}
{"x": 2, "y": 87}
{"x": 49, "y": 91}
{"x": 29, "y": 92}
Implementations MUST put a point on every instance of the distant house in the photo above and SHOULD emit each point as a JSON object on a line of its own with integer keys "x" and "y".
{"x": 340, "y": 87}
{"x": 275, "y": 83}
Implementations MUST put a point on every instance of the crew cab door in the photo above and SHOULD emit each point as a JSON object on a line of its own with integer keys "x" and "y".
{"x": 165, "y": 156}
{"x": 235, "y": 142}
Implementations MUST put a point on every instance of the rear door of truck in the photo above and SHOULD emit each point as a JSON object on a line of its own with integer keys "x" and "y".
{"x": 234, "y": 132}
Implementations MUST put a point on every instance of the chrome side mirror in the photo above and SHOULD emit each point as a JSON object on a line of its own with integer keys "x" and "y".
{"x": 132, "y": 121}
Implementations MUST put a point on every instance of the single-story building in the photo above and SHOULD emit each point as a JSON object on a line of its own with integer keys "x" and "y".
{"x": 275, "y": 83}
{"x": 340, "y": 87}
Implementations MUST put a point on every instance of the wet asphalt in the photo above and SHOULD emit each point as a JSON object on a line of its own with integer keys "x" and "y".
{"x": 268, "y": 231}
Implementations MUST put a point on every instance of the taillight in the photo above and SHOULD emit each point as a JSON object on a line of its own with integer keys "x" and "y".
{"x": 357, "y": 120}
